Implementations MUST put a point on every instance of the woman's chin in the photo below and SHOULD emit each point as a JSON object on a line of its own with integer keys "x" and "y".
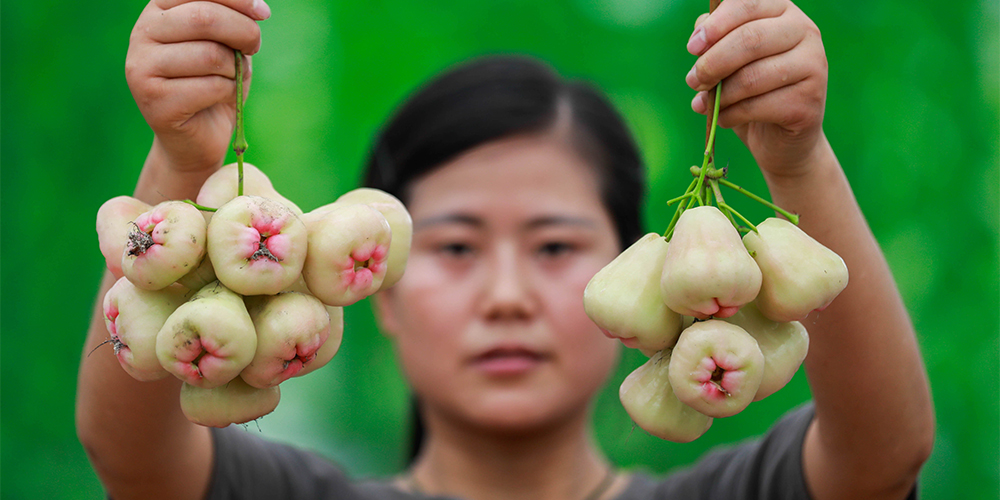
{"x": 511, "y": 414}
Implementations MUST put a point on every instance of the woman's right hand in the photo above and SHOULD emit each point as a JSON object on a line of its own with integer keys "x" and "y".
{"x": 181, "y": 70}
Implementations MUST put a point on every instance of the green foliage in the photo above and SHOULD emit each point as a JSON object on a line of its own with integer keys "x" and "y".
{"x": 912, "y": 112}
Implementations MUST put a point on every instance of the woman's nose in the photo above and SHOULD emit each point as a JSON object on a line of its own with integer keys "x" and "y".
{"x": 508, "y": 293}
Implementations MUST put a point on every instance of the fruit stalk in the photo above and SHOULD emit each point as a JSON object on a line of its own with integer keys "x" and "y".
{"x": 695, "y": 191}
{"x": 788, "y": 215}
{"x": 711, "y": 94}
{"x": 240, "y": 142}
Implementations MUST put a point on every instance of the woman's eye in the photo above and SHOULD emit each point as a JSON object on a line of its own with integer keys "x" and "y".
{"x": 555, "y": 249}
{"x": 455, "y": 249}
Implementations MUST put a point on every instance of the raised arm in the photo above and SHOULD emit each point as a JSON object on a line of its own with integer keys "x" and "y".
{"x": 181, "y": 70}
{"x": 874, "y": 422}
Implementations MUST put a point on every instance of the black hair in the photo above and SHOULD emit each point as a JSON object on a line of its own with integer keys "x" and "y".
{"x": 496, "y": 97}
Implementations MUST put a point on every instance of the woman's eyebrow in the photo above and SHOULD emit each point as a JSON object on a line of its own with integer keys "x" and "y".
{"x": 559, "y": 220}
{"x": 463, "y": 219}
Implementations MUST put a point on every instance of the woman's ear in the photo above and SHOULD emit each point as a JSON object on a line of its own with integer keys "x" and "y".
{"x": 383, "y": 304}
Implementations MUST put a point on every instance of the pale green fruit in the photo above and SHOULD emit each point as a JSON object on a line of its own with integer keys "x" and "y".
{"x": 329, "y": 348}
{"x": 165, "y": 243}
{"x": 233, "y": 403}
{"x": 800, "y": 275}
{"x": 399, "y": 221}
{"x": 624, "y": 298}
{"x": 200, "y": 276}
{"x": 707, "y": 270}
{"x": 222, "y": 187}
{"x": 209, "y": 339}
{"x": 291, "y": 327}
{"x": 257, "y": 245}
{"x": 784, "y": 346}
{"x": 716, "y": 368}
{"x": 649, "y": 400}
{"x": 114, "y": 223}
{"x": 346, "y": 260}
{"x": 133, "y": 317}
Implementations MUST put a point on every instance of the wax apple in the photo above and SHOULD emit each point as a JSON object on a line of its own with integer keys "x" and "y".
{"x": 707, "y": 271}
{"x": 329, "y": 349}
{"x": 716, "y": 368}
{"x": 624, "y": 298}
{"x": 209, "y": 339}
{"x": 784, "y": 346}
{"x": 400, "y": 223}
{"x": 133, "y": 317}
{"x": 348, "y": 250}
{"x": 257, "y": 245}
{"x": 200, "y": 276}
{"x": 222, "y": 187}
{"x": 233, "y": 403}
{"x": 800, "y": 275}
{"x": 649, "y": 399}
{"x": 291, "y": 327}
{"x": 114, "y": 222}
{"x": 164, "y": 244}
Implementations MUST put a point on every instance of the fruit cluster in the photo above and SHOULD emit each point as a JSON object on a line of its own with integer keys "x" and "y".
{"x": 719, "y": 316}
{"x": 236, "y": 300}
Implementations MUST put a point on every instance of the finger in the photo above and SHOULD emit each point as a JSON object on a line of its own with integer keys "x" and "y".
{"x": 763, "y": 76}
{"x": 700, "y": 20}
{"x": 769, "y": 74}
{"x": 748, "y": 43}
{"x": 730, "y": 15}
{"x": 255, "y": 9}
{"x": 183, "y": 97}
{"x": 792, "y": 107}
{"x": 196, "y": 58}
{"x": 206, "y": 21}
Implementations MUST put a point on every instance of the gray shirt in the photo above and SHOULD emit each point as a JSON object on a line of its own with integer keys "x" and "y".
{"x": 248, "y": 467}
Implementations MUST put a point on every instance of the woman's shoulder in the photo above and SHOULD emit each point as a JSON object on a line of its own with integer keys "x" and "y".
{"x": 766, "y": 467}
{"x": 247, "y": 466}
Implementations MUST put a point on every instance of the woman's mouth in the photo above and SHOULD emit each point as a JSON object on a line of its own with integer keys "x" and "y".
{"x": 508, "y": 362}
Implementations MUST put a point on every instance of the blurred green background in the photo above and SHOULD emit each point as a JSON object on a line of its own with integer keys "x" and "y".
{"x": 912, "y": 112}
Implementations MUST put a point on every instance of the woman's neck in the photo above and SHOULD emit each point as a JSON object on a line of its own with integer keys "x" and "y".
{"x": 559, "y": 462}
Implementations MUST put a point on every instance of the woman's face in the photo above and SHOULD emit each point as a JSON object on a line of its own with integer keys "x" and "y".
{"x": 488, "y": 318}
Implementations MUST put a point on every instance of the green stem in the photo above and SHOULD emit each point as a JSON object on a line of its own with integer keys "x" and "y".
{"x": 734, "y": 212}
{"x": 721, "y": 203}
{"x": 700, "y": 187}
{"x": 687, "y": 193}
{"x": 710, "y": 147}
{"x": 200, "y": 207}
{"x": 794, "y": 219}
{"x": 240, "y": 142}
{"x": 680, "y": 209}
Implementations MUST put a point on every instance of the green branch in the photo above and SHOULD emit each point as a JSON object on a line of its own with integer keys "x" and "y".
{"x": 240, "y": 142}
{"x": 794, "y": 219}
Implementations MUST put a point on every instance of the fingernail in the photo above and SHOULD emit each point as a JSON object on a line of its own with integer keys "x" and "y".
{"x": 698, "y": 103}
{"x": 261, "y": 8}
{"x": 698, "y": 41}
{"x": 692, "y": 79}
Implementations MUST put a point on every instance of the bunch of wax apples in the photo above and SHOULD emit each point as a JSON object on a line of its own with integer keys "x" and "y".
{"x": 717, "y": 314}
{"x": 237, "y": 300}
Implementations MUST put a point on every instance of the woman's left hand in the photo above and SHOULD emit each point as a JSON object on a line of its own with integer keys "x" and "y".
{"x": 770, "y": 58}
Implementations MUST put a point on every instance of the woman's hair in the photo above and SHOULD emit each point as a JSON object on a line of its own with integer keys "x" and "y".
{"x": 497, "y": 97}
{"x": 501, "y": 96}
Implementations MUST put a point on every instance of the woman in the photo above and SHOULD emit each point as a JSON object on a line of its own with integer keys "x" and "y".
{"x": 521, "y": 187}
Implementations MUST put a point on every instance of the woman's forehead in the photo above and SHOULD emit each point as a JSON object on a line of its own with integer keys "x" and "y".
{"x": 526, "y": 174}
